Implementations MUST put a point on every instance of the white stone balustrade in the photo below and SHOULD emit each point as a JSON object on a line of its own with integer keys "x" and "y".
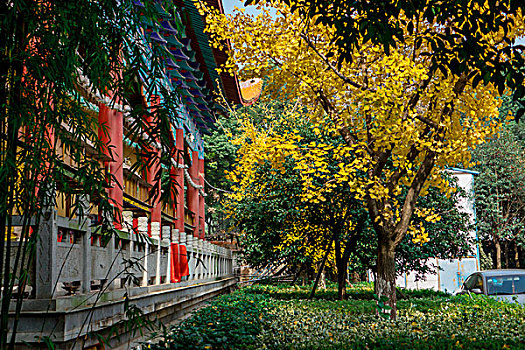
{"x": 80, "y": 260}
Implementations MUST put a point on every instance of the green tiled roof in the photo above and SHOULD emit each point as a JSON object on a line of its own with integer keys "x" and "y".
{"x": 198, "y": 28}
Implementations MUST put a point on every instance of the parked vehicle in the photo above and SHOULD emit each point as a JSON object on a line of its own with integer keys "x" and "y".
{"x": 508, "y": 285}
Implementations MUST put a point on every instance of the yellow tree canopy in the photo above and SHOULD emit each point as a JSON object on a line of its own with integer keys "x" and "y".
{"x": 402, "y": 119}
{"x": 283, "y": 150}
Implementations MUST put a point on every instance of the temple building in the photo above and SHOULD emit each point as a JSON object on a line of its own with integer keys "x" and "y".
{"x": 159, "y": 261}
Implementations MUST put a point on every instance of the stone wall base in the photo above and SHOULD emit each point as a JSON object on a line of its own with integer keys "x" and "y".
{"x": 80, "y": 328}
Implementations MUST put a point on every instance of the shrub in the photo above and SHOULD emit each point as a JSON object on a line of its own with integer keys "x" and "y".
{"x": 230, "y": 322}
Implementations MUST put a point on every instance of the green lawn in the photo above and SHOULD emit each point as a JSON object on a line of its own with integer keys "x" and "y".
{"x": 281, "y": 317}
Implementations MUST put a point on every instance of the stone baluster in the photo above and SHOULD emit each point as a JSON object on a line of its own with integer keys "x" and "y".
{"x": 200, "y": 269}
{"x": 127, "y": 225}
{"x": 191, "y": 255}
{"x": 155, "y": 234}
{"x": 83, "y": 203}
{"x": 209, "y": 258}
{"x": 166, "y": 239}
{"x": 182, "y": 242}
{"x": 143, "y": 234}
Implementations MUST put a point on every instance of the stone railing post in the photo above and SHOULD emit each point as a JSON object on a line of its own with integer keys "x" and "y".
{"x": 200, "y": 256}
{"x": 127, "y": 225}
{"x": 143, "y": 236}
{"x": 181, "y": 238}
{"x": 205, "y": 254}
{"x": 229, "y": 257}
{"x": 110, "y": 246}
{"x": 223, "y": 262}
{"x": 113, "y": 265}
{"x": 212, "y": 258}
{"x": 85, "y": 224}
{"x": 191, "y": 257}
{"x": 205, "y": 266}
{"x": 214, "y": 261}
{"x": 46, "y": 249}
{"x": 155, "y": 234}
{"x": 166, "y": 238}
{"x": 220, "y": 262}
{"x": 208, "y": 259}
{"x": 217, "y": 262}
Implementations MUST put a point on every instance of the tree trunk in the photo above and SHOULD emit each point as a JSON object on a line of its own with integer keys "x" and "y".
{"x": 321, "y": 268}
{"x": 322, "y": 280}
{"x": 385, "y": 284}
{"x": 341, "y": 271}
{"x": 297, "y": 274}
{"x": 341, "y": 283}
{"x": 498, "y": 253}
{"x": 517, "y": 255}
{"x": 507, "y": 255}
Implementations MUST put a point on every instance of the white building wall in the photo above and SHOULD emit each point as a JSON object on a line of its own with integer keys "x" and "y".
{"x": 449, "y": 275}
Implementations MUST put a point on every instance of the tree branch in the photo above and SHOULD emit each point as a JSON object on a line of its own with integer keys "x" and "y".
{"x": 332, "y": 67}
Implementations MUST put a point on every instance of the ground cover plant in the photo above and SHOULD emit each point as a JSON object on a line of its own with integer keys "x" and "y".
{"x": 231, "y": 321}
{"x": 282, "y": 317}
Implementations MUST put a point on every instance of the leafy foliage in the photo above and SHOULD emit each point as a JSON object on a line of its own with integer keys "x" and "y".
{"x": 427, "y": 320}
{"x": 230, "y": 322}
{"x": 221, "y": 156}
{"x": 56, "y": 67}
{"x": 403, "y": 120}
{"x": 500, "y": 192}
{"x": 281, "y": 224}
{"x": 467, "y": 37}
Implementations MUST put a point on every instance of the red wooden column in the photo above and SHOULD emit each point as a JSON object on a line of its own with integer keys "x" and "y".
{"x": 112, "y": 139}
{"x": 193, "y": 193}
{"x": 178, "y": 250}
{"x": 201, "y": 200}
{"x": 151, "y": 176}
{"x": 179, "y": 172}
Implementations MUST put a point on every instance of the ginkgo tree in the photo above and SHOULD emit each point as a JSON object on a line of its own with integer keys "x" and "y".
{"x": 283, "y": 225}
{"x": 402, "y": 120}
{"x": 281, "y": 222}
